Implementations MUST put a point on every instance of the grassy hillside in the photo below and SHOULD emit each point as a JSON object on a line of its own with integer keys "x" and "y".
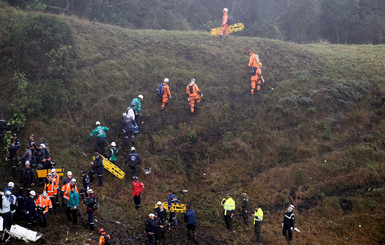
{"x": 314, "y": 137}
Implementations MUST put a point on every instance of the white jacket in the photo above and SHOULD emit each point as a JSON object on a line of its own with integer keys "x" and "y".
{"x": 130, "y": 113}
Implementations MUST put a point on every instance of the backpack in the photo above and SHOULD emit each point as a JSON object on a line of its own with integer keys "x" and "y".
{"x": 230, "y": 19}
{"x": 107, "y": 240}
{"x": 96, "y": 205}
{"x": 160, "y": 90}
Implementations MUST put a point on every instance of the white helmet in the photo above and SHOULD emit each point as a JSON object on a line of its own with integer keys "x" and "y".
{"x": 140, "y": 97}
{"x": 45, "y": 194}
{"x": 8, "y": 193}
{"x": 225, "y": 9}
{"x": 69, "y": 173}
{"x": 11, "y": 185}
{"x": 90, "y": 191}
{"x": 151, "y": 215}
{"x": 133, "y": 149}
{"x": 27, "y": 163}
{"x": 159, "y": 203}
{"x": 291, "y": 206}
{"x": 113, "y": 144}
{"x": 73, "y": 180}
{"x": 97, "y": 123}
{"x": 193, "y": 80}
{"x": 53, "y": 171}
{"x": 166, "y": 80}
{"x": 32, "y": 193}
{"x": 43, "y": 145}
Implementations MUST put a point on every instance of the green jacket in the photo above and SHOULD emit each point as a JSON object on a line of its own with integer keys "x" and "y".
{"x": 99, "y": 131}
{"x": 138, "y": 105}
{"x": 73, "y": 199}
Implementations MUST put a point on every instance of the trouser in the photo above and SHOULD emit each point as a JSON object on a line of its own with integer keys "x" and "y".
{"x": 256, "y": 80}
{"x": 137, "y": 201}
{"x": 224, "y": 29}
{"x": 14, "y": 164}
{"x": 173, "y": 219}
{"x": 194, "y": 100}
{"x": 137, "y": 118}
{"x": 8, "y": 219}
{"x": 245, "y": 217}
{"x": 66, "y": 209}
{"x": 31, "y": 217}
{"x": 191, "y": 232}
{"x": 229, "y": 222}
{"x": 91, "y": 219}
{"x": 1, "y": 136}
{"x": 54, "y": 204}
{"x": 43, "y": 219}
{"x": 134, "y": 170}
{"x": 151, "y": 239}
{"x": 164, "y": 101}
{"x": 129, "y": 134}
{"x": 101, "y": 145}
{"x": 257, "y": 229}
{"x": 74, "y": 214}
{"x": 288, "y": 236}
{"x": 100, "y": 176}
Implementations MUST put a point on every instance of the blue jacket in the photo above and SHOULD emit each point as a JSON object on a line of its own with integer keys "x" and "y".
{"x": 73, "y": 200}
{"x": 98, "y": 165}
{"x": 134, "y": 159}
{"x": 170, "y": 197}
{"x": 29, "y": 204}
{"x": 190, "y": 217}
{"x": 128, "y": 124}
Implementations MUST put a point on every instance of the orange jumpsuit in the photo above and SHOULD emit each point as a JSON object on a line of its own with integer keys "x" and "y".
{"x": 166, "y": 94}
{"x": 44, "y": 203}
{"x": 257, "y": 78}
{"x": 225, "y": 26}
{"x": 194, "y": 95}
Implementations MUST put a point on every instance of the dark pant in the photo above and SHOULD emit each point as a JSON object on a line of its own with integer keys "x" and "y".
{"x": 288, "y": 236}
{"x": 229, "y": 222}
{"x": 43, "y": 219}
{"x": 151, "y": 239}
{"x": 191, "y": 232}
{"x": 101, "y": 145}
{"x": 129, "y": 134}
{"x": 134, "y": 170}
{"x": 173, "y": 219}
{"x": 54, "y": 204}
{"x": 137, "y": 201}
{"x": 100, "y": 176}
{"x": 74, "y": 214}
{"x": 257, "y": 229}
{"x": 245, "y": 217}
{"x": 137, "y": 119}
{"x": 91, "y": 219}
{"x": 67, "y": 209}
{"x": 8, "y": 219}
{"x": 31, "y": 217}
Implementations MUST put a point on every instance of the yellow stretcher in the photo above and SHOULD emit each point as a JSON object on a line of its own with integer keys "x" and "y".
{"x": 175, "y": 207}
{"x": 43, "y": 173}
{"x": 233, "y": 28}
{"x": 112, "y": 168}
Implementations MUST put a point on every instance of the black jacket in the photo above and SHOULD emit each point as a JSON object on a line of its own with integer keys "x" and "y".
{"x": 98, "y": 165}
{"x": 288, "y": 219}
{"x": 162, "y": 215}
{"x": 28, "y": 176}
{"x": 29, "y": 204}
{"x": 151, "y": 226}
{"x": 86, "y": 182}
{"x": 134, "y": 159}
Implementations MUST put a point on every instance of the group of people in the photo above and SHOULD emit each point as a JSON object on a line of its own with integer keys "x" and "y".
{"x": 228, "y": 204}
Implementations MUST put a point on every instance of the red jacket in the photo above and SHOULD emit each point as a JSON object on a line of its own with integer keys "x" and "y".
{"x": 137, "y": 188}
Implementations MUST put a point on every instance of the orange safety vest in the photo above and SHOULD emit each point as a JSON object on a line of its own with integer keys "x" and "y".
{"x": 66, "y": 189}
{"x": 43, "y": 202}
{"x": 56, "y": 178}
{"x": 51, "y": 188}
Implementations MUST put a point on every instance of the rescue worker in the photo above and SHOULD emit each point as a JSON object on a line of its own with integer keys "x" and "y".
{"x": 229, "y": 207}
{"x": 151, "y": 227}
{"x": 3, "y": 125}
{"x": 12, "y": 155}
{"x": 7, "y": 201}
{"x": 288, "y": 223}
{"x": 104, "y": 237}
{"x": 27, "y": 177}
{"x": 158, "y": 223}
{"x": 194, "y": 95}
{"x": 101, "y": 143}
{"x": 51, "y": 187}
{"x": 43, "y": 205}
{"x": 66, "y": 189}
{"x": 86, "y": 184}
{"x": 172, "y": 199}
{"x": 113, "y": 153}
{"x": 97, "y": 168}
{"x": 10, "y": 188}
{"x": 137, "y": 188}
{"x": 166, "y": 93}
{"x": 162, "y": 215}
{"x": 245, "y": 207}
{"x": 89, "y": 202}
{"x": 33, "y": 148}
{"x": 225, "y": 25}
{"x": 133, "y": 159}
{"x": 258, "y": 218}
{"x": 190, "y": 220}
{"x": 255, "y": 71}
{"x": 30, "y": 209}
{"x": 16, "y": 140}
{"x": 56, "y": 179}
{"x": 73, "y": 204}
{"x": 41, "y": 159}
{"x": 128, "y": 124}
{"x": 27, "y": 156}
{"x": 47, "y": 163}
{"x": 68, "y": 178}
{"x": 137, "y": 108}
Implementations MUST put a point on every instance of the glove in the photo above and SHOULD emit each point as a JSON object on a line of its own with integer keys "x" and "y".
{"x": 282, "y": 225}
{"x": 291, "y": 228}
{"x": 27, "y": 212}
{"x": 170, "y": 97}
{"x": 75, "y": 207}
{"x": 260, "y": 64}
{"x": 188, "y": 99}
{"x": 6, "y": 159}
{"x": 263, "y": 80}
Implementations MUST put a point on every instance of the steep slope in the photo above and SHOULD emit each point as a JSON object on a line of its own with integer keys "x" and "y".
{"x": 313, "y": 137}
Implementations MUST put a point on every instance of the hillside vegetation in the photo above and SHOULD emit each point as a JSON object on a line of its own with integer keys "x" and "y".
{"x": 314, "y": 137}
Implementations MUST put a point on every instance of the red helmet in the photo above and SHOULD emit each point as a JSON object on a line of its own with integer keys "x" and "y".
{"x": 249, "y": 51}
{"x": 101, "y": 231}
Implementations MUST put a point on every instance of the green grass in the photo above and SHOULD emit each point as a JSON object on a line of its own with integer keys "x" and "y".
{"x": 326, "y": 104}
